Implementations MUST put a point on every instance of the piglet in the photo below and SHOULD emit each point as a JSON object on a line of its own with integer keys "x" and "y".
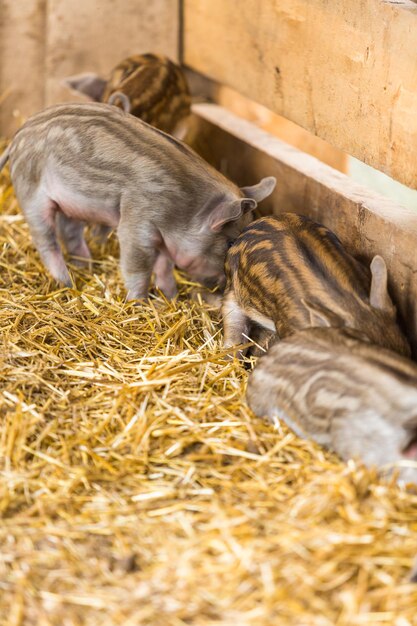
{"x": 150, "y": 86}
{"x": 77, "y": 163}
{"x": 278, "y": 262}
{"x": 331, "y": 385}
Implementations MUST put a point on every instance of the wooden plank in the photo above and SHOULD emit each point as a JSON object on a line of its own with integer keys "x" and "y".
{"x": 22, "y": 51}
{"x": 366, "y": 222}
{"x": 96, "y": 34}
{"x": 211, "y": 91}
{"x": 346, "y": 71}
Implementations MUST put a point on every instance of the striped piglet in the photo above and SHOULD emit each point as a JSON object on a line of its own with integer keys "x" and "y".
{"x": 288, "y": 273}
{"x": 333, "y": 386}
{"x": 149, "y": 86}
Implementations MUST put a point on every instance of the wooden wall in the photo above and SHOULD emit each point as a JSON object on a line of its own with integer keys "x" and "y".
{"x": 43, "y": 41}
{"x": 345, "y": 70}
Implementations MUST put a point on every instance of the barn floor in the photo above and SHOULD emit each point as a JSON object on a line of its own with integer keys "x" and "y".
{"x": 137, "y": 488}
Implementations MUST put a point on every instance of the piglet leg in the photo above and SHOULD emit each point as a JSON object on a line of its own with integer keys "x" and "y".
{"x": 235, "y": 321}
{"x": 72, "y": 234}
{"x": 164, "y": 278}
{"x": 40, "y": 214}
{"x": 137, "y": 255}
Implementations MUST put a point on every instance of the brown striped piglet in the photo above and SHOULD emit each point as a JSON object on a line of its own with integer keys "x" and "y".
{"x": 149, "y": 86}
{"x": 77, "y": 163}
{"x": 331, "y": 385}
{"x": 277, "y": 263}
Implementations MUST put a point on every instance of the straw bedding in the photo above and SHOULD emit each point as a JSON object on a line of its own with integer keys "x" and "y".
{"x": 137, "y": 487}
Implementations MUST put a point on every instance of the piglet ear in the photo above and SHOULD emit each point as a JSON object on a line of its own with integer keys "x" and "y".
{"x": 379, "y": 297}
{"x": 321, "y": 315}
{"x": 230, "y": 212}
{"x": 89, "y": 84}
{"x": 262, "y": 190}
{"x": 118, "y": 97}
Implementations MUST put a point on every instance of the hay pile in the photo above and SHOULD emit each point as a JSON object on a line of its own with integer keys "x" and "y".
{"x": 137, "y": 488}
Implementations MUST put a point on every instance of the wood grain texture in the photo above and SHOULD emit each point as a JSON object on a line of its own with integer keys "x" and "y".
{"x": 366, "y": 222}
{"x": 22, "y": 57}
{"x": 44, "y": 41}
{"x": 94, "y": 35}
{"x": 346, "y": 71}
{"x": 205, "y": 89}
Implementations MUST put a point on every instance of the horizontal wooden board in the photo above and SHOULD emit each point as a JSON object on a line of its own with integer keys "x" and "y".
{"x": 207, "y": 90}
{"x": 346, "y": 71}
{"x": 366, "y": 222}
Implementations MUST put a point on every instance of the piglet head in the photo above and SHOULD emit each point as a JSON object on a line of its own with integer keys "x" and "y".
{"x": 223, "y": 223}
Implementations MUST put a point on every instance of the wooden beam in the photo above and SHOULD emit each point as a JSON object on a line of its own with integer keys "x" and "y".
{"x": 346, "y": 71}
{"x": 205, "y": 89}
{"x": 366, "y": 222}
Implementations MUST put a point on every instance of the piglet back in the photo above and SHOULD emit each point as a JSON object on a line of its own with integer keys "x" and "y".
{"x": 283, "y": 259}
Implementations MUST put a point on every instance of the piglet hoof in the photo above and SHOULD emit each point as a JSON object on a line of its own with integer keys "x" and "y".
{"x": 64, "y": 280}
{"x": 82, "y": 263}
{"x": 139, "y": 302}
{"x": 135, "y": 298}
{"x": 169, "y": 293}
{"x": 212, "y": 299}
{"x": 81, "y": 256}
